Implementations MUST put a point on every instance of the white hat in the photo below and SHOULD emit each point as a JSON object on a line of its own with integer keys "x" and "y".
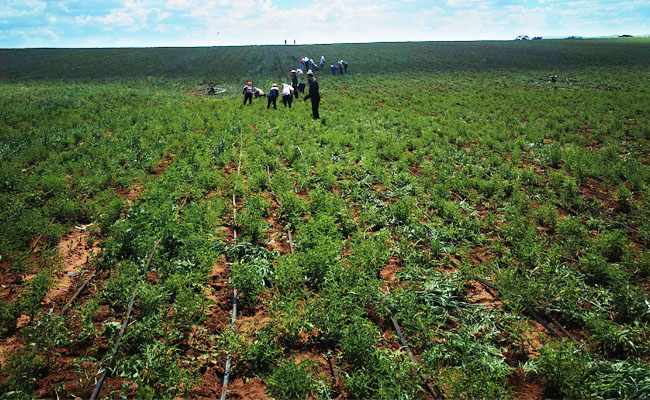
{"x": 310, "y": 72}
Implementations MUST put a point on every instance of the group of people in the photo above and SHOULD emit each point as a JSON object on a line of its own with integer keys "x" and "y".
{"x": 341, "y": 67}
{"x": 287, "y": 92}
{"x": 297, "y": 86}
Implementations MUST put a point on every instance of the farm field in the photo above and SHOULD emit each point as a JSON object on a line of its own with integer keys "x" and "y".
{"x": 455, "y": 226}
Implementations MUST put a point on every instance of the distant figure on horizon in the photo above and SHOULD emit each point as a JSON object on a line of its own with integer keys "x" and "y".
{"x": 285, "y": 42}
{"x": 248, "y": 93}
{"x": 273, "y": 96}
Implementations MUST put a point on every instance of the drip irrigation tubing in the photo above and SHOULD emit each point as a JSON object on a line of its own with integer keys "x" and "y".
{"x": 38, "y": 239}
{"x": 528, "y": 310}
{"x": 427, "y": 382}
{"x": 76, "y": 294}
{"x": 125, "y": 321}
{"x": 226, "y": 375}
{"x": 87, "y": 281}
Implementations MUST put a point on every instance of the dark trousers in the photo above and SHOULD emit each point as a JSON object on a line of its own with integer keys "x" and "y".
{"x": 287, "y": 99}
{"x": 295, "y": 89}
{"x": 315, "y": 101}
{"x": 271, "y": 100}
{"x": 249, "y": 97}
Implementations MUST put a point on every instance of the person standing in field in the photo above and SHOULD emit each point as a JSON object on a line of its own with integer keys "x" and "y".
{"x": 322, "y": 62}
{"x": 313, "y": 94}
{"x": 341, "y": 67}
{"x": 287, "y": 94}
{"x": 345, "y": 66}
{"x": 272, "y": 96}
{"x": 294, "y": 82}
{"x": 248, "y": 93}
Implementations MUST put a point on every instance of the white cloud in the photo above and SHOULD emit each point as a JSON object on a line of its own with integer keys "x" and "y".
{"x": 241, "y": 22}
{"x": 21, "y": 8}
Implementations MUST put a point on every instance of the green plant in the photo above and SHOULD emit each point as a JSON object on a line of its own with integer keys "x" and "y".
{"x": 251, "y": 277}
{"x": 293, "y": 380}
{"x": 565, "y": 368}
{"x": 262, "y": 351}
{"x": 22, "y": 370}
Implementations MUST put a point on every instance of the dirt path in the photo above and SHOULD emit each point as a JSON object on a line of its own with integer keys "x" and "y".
{"x": 75, "y": 253}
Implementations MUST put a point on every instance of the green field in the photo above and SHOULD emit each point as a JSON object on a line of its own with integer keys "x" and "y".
{"x": 451, "y": 192}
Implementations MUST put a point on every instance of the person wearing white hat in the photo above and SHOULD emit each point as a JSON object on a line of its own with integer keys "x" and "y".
{"x": 313, "y": 94}
{"x": 287, "y": 94}
{"x": 272, "y": 96}
{"x": 294, "y": 82}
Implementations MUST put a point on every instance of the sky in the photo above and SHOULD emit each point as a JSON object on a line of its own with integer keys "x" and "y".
{"x": 148, "y": 23}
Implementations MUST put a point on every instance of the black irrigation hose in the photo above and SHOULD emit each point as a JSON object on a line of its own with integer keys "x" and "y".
{"x": 226, "y": 376}
{"x": 125, "y": 321}
{"x": 528, "y": 310}
{"x": 429, "y": 385}
{"x": 77, "y": 293}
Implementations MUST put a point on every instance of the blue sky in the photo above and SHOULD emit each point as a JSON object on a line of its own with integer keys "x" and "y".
{"x": 128, "y": 23}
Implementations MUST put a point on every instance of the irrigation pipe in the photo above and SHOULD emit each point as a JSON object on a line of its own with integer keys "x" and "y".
{"x": 38, "y": 239}
{"x": 125, "y": 321}
{"x": 77, "y": 293}
{"x": 432, "y": 389}
{"x": 226, "y": 375}
{"x": 528, "y": 310}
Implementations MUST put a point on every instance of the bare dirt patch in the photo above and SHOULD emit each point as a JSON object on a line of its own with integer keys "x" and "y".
{"x": 160, "y": 168}
{"x": 9, "y": 346}
{"x": 9, "y": 283}
{"x": 253, "y": 388}
{"x": 277, "y": 237}
{"x": 479, "y": 294}
{"x": 75, "y": 254}
{"x": 525, "y": 386}
{"x": 390, "y": 271}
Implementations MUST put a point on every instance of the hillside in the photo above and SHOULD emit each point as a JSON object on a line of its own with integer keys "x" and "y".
{"x": 230, "y": 63}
